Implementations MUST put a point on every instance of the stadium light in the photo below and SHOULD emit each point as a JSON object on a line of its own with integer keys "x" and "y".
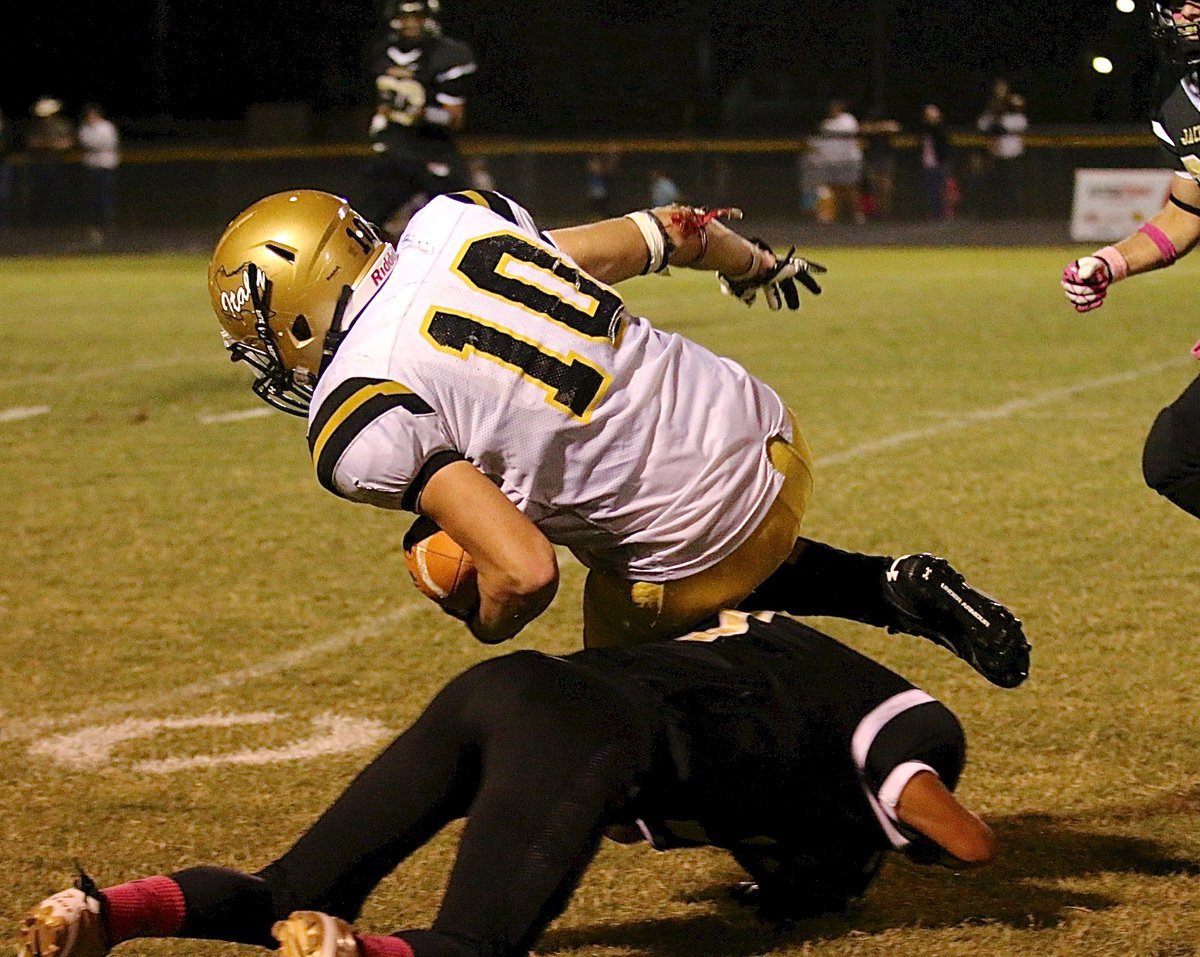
{"x": 1102, "y": 64}
{"x": 1126, "y": 6}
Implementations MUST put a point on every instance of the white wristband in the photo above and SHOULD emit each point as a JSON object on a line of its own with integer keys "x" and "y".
{"x": 437, "y": 115}
{"x": 652, "y": 232}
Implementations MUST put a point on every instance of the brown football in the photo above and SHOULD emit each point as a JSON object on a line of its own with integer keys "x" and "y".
{"x": 441, "y": 570}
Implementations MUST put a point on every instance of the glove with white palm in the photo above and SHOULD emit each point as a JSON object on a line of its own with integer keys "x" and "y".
{"x": 778, "y": 282}
{"x": 1086, "y": 282}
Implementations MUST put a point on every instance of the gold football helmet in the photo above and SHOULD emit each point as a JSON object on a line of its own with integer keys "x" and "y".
{"x": 281, "y": 279}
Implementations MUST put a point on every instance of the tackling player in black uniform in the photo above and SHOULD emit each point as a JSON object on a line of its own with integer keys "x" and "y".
{"x": 422, "y": 81}
{"x": 1171, "y": 458}
{"x": 803, "y": 758}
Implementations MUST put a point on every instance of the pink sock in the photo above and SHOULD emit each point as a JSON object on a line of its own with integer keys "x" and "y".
{"x": 151, "y": 907}
{"x": 376, "y": 945}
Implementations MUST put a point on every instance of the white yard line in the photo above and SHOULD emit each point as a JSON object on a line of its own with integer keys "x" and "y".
{"x": 14, "y": 729}
{"x": 1003, "y": 411}
{"x": 101, "y": 372}
{"x": 242, "y": 416}
{"x": 26, "y": 412}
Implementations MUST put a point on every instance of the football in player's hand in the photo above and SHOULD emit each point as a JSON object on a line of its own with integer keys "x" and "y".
{"x": 441, "y": 570}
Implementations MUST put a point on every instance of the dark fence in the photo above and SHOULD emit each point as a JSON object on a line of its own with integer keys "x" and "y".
{"x": 200, "y": 188}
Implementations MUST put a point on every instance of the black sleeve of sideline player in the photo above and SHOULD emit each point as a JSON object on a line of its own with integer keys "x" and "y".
{"x": 454, "y": 70}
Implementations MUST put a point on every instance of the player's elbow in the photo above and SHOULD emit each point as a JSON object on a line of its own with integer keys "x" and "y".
{"x": 536, "y": 579}
{"x": 512, "y": 597}
{"x": 528, "y": 580}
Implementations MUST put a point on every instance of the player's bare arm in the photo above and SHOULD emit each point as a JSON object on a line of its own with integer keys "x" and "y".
{"x": 515, "y": 563}
{"x": 1157, "y": 243}
{"x": 1180, "y": 224}
{"x": 650, "y": 240}
{"x": 927, "y": 805}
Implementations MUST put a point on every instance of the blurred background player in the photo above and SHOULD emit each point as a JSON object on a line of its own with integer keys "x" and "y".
{"x": 806, "y": 760}
{"x": 49, "y": 136}
{"x": 1171, "y": 457}
{"x": 422, "y": 83}
{"x": 101, "y": 145}
{"x": 835, "y": 160}
{"x": 934, "y": 146}
{"x": 1004, "y": 123}
{"x": 484, "y": 375}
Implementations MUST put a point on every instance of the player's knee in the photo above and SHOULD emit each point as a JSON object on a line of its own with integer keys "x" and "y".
{"x": 1160, "y": 458}
{"x": 1168, "y": 465}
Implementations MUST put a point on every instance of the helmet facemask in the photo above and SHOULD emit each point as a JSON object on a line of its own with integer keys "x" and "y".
{"x": 289, "y": 390}
{"x": 1178, "y": 42}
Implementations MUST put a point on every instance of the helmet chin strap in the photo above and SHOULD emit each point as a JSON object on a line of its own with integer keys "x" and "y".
{"x": 335, "y": 335}
{"x": 275, "y": 384}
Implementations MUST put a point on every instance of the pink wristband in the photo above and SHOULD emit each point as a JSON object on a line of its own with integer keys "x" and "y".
{"x": 1166, "y": 248}
{"x": 1118, "y": 265}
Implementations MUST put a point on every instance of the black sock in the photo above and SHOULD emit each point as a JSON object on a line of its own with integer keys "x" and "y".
{"x": 224, "y": 904}
{"x": 822, "y": 580}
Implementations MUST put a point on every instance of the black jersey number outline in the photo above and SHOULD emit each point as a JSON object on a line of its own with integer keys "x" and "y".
{"x": 572, "y": 383}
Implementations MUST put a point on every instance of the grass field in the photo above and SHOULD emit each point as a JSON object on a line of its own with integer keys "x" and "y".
{"x": 200, "y": 646}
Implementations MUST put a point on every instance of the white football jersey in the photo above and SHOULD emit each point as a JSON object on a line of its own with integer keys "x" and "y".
{"x": 641, "y": 451}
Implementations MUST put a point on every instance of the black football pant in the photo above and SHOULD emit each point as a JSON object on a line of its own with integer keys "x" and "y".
{"x": 396, "y": 175}
{"x": 534, "y": 751}
{"x": 1171, "y": 457}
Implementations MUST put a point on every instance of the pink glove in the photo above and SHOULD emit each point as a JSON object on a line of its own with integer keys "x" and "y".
{"x": 1086, "y": 281}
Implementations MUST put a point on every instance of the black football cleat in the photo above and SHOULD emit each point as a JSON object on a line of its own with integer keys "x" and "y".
{"x": 934, "y": 601}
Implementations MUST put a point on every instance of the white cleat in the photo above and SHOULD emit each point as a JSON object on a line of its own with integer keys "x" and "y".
{"x": 65, "y": 925}
{"x": 309, "y": 933}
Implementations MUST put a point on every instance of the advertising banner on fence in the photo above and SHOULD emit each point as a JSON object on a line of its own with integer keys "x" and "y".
{"x": 1111, "y": 203}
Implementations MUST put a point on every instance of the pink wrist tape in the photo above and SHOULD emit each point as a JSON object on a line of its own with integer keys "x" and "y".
{"x": 1118, "y": 265}
{"x": 1166, "y": 248}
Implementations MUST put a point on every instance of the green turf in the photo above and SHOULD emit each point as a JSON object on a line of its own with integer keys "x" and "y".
{"x": 155, "y": 566}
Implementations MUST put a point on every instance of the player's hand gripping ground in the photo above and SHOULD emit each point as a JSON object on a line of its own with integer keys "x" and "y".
{"x": 777, "y": 283}
{"x": 1086, "y": 282}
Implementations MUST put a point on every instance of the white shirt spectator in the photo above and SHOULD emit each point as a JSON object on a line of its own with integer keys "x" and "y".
{"x": 837, "y": 141}
{"x": 100, "y": 142}
{"x": 1012, "y": 124}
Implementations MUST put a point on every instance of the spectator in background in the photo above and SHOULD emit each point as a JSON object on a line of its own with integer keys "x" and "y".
{"x": 1004, "y": 122}
{"x": 663, "y": 189}
{"x": 935, "y": 160}
{"x": 879, "y": 163}
{"x": 836, "y": 165}
{"x": 101, "y": 145}
{"x": 422, "y": 83}
{"x": 6, "y": 174}
{"x": 48, "y": 138}
{"x": 600, "y": 170}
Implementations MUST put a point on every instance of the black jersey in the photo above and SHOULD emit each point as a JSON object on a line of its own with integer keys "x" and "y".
{"x": 781, "y": 737}
{"x": 1177, "y": 126}
{"x": 436, "y": 72}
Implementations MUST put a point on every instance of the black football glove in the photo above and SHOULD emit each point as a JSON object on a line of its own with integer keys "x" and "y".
{"x": 778, "y": 283}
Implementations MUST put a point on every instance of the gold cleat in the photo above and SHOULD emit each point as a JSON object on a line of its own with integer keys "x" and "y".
{"x": 309, "y": 933}
{"x": 65, "y": 925}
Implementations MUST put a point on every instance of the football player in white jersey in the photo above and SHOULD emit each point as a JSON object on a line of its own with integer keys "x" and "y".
{"x": 485, "y": 375}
